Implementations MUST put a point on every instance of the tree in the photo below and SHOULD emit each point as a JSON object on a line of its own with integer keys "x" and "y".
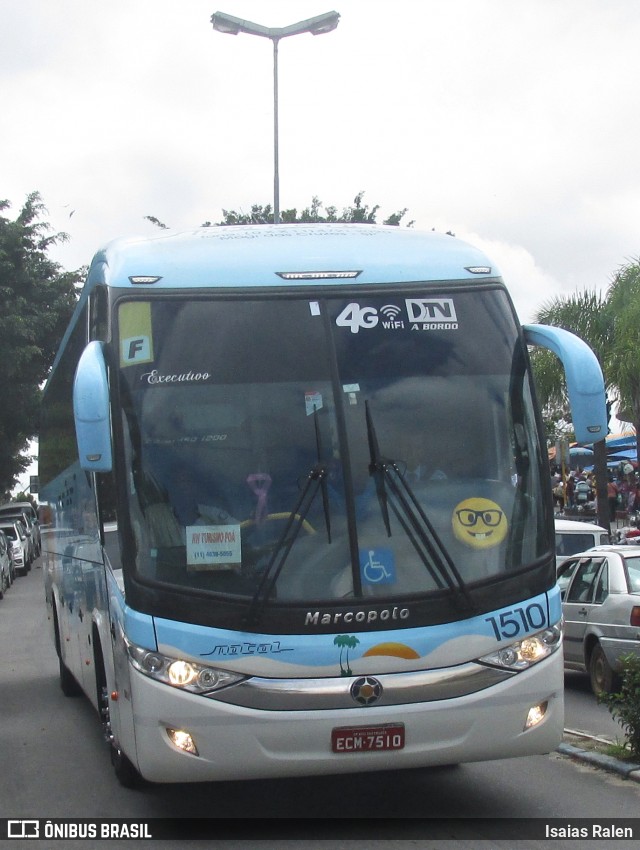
{"x": 357, "y": 213}
{"x": 623, "y": 360}
{"x": 587, "y": 315}
{"x": 37, "y": 299}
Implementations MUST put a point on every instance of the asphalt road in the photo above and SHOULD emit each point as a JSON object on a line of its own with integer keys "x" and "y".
{"x": 583, "y": 713}
{"x": 55, "y": 764}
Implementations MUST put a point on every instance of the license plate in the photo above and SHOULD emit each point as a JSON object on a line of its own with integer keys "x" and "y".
{"x": 363, "y": 739}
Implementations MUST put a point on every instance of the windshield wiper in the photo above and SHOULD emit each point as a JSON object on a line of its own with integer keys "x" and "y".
{"x": 393, "y": 489}
{"x": 316, "y": 479}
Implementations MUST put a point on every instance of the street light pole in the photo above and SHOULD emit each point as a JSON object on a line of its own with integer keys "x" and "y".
{"x": 316, "y": 26}
{"x": 276, "y": 163}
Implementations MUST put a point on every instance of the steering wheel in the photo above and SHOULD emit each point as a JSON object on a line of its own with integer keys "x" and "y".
{"x": 306, "y": 525}
{"x": 255, "y": 553}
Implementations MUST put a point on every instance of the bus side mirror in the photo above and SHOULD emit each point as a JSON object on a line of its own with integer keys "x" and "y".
{"x": 91, "y": 410}
{"x": 585, "y": 384}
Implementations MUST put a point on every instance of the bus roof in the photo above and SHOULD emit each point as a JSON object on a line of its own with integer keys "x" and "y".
{"x": 256, "y": 255}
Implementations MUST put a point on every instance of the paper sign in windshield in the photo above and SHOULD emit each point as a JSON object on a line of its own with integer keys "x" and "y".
{"x": 312, "y": 402}
{"x": 211, "y": 547}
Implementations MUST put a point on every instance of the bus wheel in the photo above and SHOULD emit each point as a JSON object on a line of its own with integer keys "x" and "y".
{"x": 68, "y": 685}
{"x": 603, "y": 678}
{"x": 126, "y": 773}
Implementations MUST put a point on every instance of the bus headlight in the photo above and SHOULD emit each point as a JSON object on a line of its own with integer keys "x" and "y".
{"x": 522, "y": 654}
{"x": 181, "y": 673}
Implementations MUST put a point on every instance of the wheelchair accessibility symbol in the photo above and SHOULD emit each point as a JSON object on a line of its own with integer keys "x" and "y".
{"x": 377, "y": 566}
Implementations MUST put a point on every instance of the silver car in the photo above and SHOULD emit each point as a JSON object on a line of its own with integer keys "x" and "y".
{"x": 601, "y": 605}
{"x": 6, "y": 565}
{"x": 14, "y": 531}
{"x": 26, "y": 513}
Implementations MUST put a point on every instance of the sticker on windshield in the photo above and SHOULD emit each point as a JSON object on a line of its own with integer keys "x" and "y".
{"x": 432, "y": 313}
{"x": 418, "y": 314}
{"x": 213, "y": 547}
{"x": 312, "y": 402}
{"x": 479, "y": 523}
{"x": 136, "y": 340}
{"x": 377, "y": 566}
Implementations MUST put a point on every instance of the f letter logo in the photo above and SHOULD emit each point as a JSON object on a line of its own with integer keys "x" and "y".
{"x": 136, "y": 349}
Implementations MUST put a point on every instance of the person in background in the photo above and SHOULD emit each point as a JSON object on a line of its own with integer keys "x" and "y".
{"x": 570, "y": 490}
{"x": 583, "y": 492}
{"x": 612, "y": 497}
{"x": 628, "y": 488}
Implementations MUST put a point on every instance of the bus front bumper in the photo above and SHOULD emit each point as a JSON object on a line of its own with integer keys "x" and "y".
{"x": 236, "y": 742}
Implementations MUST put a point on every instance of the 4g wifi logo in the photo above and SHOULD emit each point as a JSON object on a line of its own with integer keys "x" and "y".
{"x": 355, "y": 317}
{"x": 429, "y": 312}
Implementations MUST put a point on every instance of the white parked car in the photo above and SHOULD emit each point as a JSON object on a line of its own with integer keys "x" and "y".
{"x": 601, "y": 607}
{"x": 19, "y": 544}
{"x": 573, "y": 536}
{"x": 26, "y": 513}
{"x": 6, "y": 565}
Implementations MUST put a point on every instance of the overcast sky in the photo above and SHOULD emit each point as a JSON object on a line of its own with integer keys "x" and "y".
{"x": 513, "y": 123}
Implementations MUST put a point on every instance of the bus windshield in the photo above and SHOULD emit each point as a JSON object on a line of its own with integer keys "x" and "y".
{"x": 290, "y": 449}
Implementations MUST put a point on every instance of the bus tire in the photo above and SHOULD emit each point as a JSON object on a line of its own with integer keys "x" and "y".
{"x": 68, "y": 685}
{"x": 126, "y": 773}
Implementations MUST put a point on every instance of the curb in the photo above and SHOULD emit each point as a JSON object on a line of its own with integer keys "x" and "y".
{"x": 628, "y": 770}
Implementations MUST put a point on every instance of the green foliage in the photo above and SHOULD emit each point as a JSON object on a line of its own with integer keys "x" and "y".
{"x": 625, "y": 704}
{"x": 37, "y": 299}
{"x": 315, "y": 213}
{"x": 623, "y": 364}
{"x": 357, "y": 213}
{"x": 584, "y": 313}
{"x": 156, "y": 221}
{"x": 24, "y": 497}
{"x": 611, "y": 326}
{"x": 587, "y": 315}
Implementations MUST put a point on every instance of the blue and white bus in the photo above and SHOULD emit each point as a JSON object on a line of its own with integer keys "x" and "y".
{"x": 299, "y": 510}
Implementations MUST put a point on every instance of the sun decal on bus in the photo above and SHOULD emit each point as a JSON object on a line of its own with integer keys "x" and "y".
{"x": 479, "y": 523}
{"x": 392, "y": 649}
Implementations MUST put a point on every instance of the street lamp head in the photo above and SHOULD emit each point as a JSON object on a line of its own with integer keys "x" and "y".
{"x": 225, "y": 23}
{"x": 316, "y": 26}
{"x": 222, "y": 22}
{"x": 324, "y": 23}
{"x": 232, "y": 26}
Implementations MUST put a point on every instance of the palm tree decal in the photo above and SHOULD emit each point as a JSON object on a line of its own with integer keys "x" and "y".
{"x": 345, "y": 642}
